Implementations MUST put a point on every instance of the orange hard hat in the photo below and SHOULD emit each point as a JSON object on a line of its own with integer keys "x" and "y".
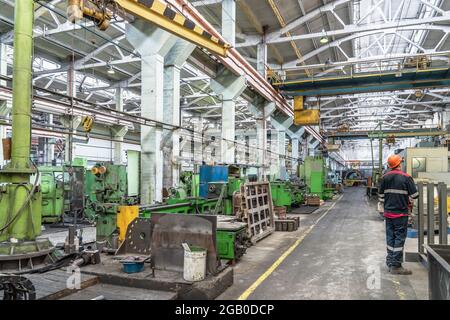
{"x": 394, "y": 161}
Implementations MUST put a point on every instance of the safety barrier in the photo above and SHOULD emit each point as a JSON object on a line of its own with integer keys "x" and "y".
{"x": 427, "y": 224}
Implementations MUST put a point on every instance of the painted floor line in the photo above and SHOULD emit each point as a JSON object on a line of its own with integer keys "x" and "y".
{"x": 274, "y": 266}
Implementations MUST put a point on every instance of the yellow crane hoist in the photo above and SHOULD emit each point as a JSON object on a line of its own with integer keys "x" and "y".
{"x": 153, "y": 11}
{"x": 87, "y": 123}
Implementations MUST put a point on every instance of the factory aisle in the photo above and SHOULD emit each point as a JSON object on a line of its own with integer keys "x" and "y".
{"x": 341, "y": 258}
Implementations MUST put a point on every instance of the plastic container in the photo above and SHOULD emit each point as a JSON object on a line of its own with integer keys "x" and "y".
{"x": 133, "y": 264}
{"x": 194, "y": 264}
{"x": 438, "y": 271}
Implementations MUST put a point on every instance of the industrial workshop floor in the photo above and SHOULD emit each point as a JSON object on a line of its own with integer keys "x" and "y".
{"x": 338, "y": 253}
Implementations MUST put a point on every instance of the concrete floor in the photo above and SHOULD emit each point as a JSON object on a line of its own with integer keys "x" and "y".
{"x": 341, "y": 257}
{"x": 59, "y": 235}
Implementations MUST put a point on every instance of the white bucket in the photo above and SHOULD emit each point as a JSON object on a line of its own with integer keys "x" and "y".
{"x": 194, "y": 264}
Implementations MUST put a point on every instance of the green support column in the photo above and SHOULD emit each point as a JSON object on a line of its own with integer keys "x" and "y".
{"x": 20, "y": 202}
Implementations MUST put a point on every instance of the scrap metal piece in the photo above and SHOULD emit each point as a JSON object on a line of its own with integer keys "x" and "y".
{"x": 170, "y": 231}
{"x": 138, "y": 238}
{"x": 17, "y": 288}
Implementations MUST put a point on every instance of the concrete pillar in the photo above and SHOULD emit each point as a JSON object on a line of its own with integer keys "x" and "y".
{"x": 281, "y": 143}
{"x": 174, "y": 61}
{"x": 3, "y": 63}
{"x": 71, "y": 85}
{"x": 49, "y": 145}
{"x": 295, "y": 153}
{"x": 261, "y": 110}
{"x": 118, "y": 145}
{"x": 229, "y": 87}
{"x": 312, "y": 145}
{"x": 229, "y": 21}
{"x": 261, "y": 144}
{"x": 153, "y": 44}
{"x": 198, "y": 138}
{"x": 247, "y": 149}
{"x": 261, "y": 59}
{"x": 227, "y": 147}
{"x": 70, "y": 123}
{"x": 3, "y": 72}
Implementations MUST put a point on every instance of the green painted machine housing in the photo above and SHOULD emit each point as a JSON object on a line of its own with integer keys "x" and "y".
{"x": 314, "y": 172}
{"x": 52, "y": 188}
{"x": 281, "y": 194}
{"x": 286, "y": 194}
{"x": 184, "y": 206}
{"x": 23, "y": 225}
{"x": 229, "y": 243}
{"x": 231, "y": 186}
{"x": 104, "y": 193}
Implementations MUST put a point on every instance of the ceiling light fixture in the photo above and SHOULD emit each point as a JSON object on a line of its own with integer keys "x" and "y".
{"x": 324, "y": 39}
{"x": 111, "y": 70}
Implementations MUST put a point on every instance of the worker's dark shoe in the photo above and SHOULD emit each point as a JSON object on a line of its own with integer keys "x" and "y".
{"x": 400, "y": 270}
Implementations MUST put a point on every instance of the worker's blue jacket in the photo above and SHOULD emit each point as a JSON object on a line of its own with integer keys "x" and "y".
{"x": 395, "y": 189}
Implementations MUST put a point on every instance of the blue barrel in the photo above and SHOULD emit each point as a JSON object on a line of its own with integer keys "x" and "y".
{"x": 211, "y": 174}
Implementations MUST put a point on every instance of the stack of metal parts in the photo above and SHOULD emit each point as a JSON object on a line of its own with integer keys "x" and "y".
{"x": 254, "y": 206}
{"x": 313, "y": 201}
{"x": 285, "y": 222}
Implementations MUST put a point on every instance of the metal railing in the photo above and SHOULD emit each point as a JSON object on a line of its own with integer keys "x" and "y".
{"x": 432, "y": 218}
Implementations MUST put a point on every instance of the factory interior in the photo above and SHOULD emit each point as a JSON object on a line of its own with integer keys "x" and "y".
{"x": 222, "y": 149}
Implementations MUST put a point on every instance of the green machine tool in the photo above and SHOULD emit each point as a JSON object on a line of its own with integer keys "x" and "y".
{"x": 62, "y": 191}
{"x": 20, "y": 200}
{"x": 224, "y": 191}
{"x": 287, "y": 194}
{"x": 105, "y": 190}
{"x": 281, "y": 194}
{"x": 52, "y": 188}
{"x": 232, "y": 240}
{"x": 187, "y": 189}
{"x": 314, "y": 172}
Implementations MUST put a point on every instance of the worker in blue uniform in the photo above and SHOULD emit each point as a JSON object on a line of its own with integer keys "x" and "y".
{"x": 396, "y": 189}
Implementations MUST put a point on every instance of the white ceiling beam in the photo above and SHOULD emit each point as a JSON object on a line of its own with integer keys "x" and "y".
{"x": 354, "y": 28}
{"x": 202, "y": 3}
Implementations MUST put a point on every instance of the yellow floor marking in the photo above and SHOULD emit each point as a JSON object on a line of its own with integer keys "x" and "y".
{"x": 398, "y": 291}
{"x": 275, "y": 265}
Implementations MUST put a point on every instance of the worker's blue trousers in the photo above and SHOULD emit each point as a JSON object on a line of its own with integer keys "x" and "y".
{"x": 396, "y": 231}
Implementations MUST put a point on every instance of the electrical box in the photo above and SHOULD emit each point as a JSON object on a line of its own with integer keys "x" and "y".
{"x": 421, "y": 160}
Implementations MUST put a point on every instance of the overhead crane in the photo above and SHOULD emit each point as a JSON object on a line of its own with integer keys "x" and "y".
{"x": 153, "y": 11}
{"x": 388, "y": 74}
{"x": 364, "y": 83}
{"x": 386, "y": 133}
